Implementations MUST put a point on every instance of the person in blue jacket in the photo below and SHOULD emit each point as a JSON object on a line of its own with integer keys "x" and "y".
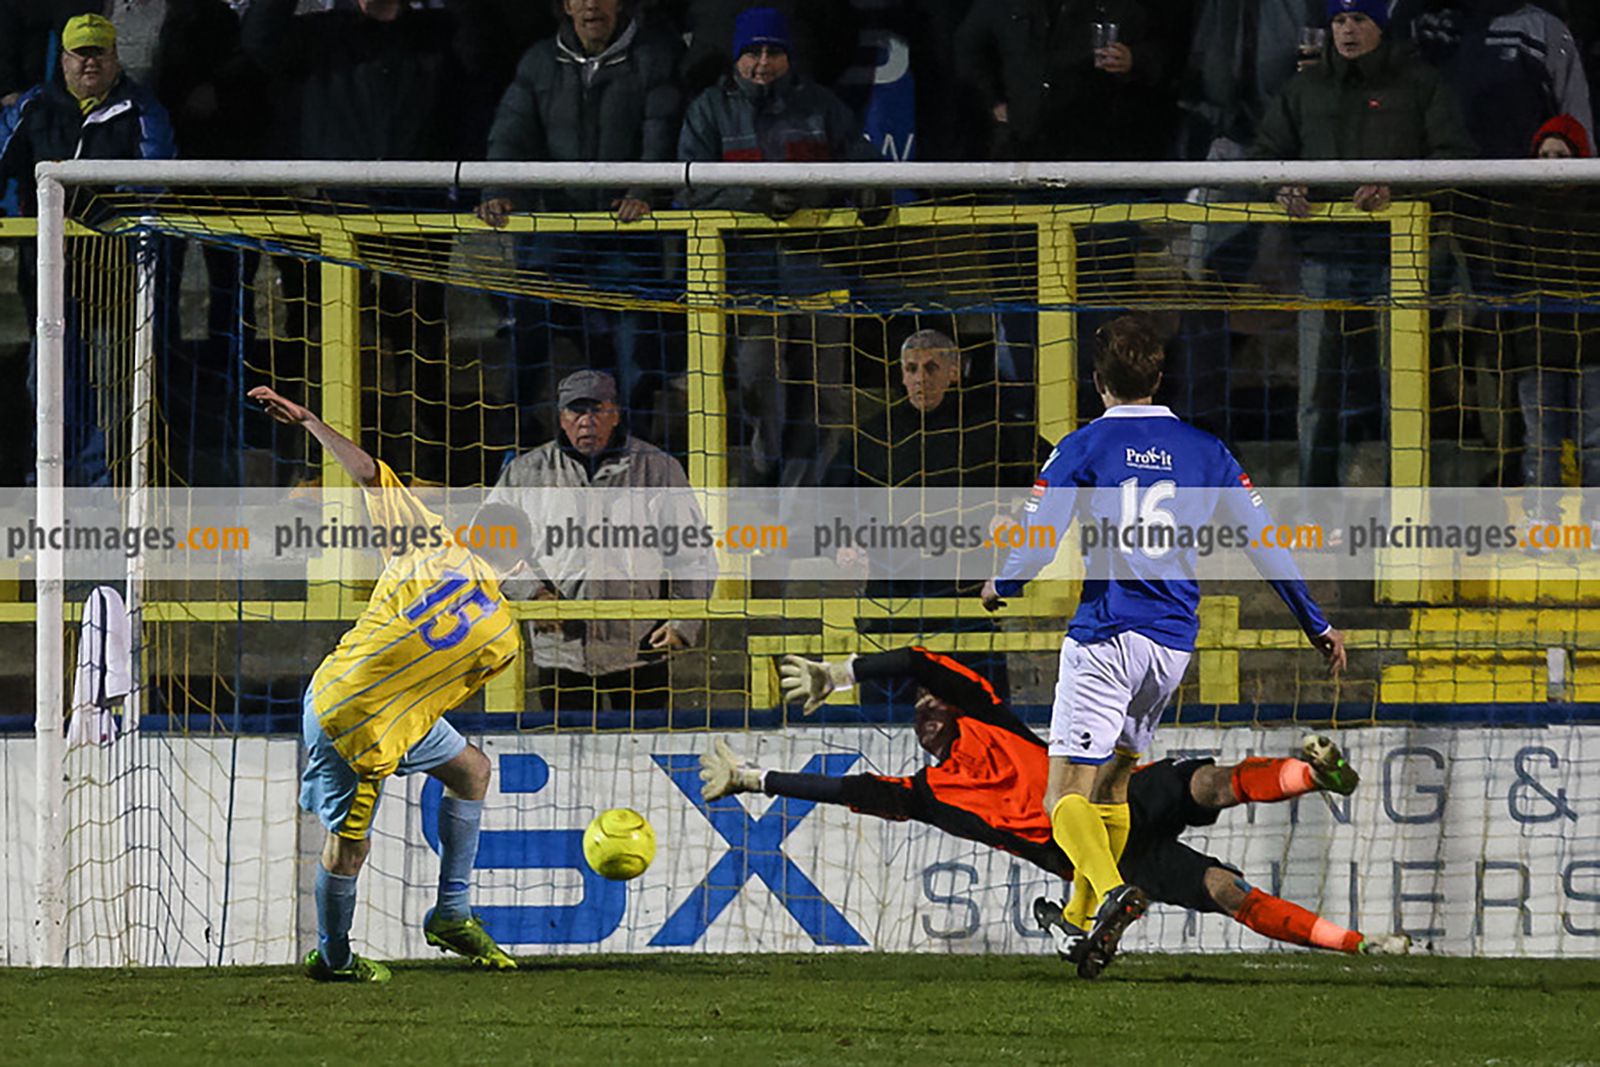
{"x": 91, "y": 110}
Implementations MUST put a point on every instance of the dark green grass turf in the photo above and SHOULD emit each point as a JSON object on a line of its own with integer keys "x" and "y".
{"x": 844, "y": 1008}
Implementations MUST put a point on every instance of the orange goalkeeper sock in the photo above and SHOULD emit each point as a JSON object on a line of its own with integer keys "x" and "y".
{"x": 1077, "y": 827}
{"x": 1280, "y": 920}
{"x": 1261, "y": 780}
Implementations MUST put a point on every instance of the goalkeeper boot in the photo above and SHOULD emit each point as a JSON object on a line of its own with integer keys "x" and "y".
{"x": 1330, "y": 771}
{"x": 1049, "y": 914}
{"x": 361, "y": 969}
{"x": 467, "y": 937}
{"x": 1387, "y": 945}
{"x": 725, "y": 774}
{"x": 1120, "y": 909}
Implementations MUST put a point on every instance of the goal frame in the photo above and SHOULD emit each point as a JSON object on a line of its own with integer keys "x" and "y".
{"x": 54, "y": 179}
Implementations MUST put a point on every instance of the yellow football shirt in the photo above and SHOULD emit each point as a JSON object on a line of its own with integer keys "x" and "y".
{"x": 434, "y": 631}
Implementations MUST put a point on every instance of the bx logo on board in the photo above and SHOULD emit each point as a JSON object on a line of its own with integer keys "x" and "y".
{"x": 755, "y": 850}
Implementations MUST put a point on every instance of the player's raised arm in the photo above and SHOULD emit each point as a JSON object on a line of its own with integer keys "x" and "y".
{"x": 813, "y": 680}
{"x": 351, "y": 456}
{"x": 962, "y": 690}
{"x": 949, "y": 680}
{"x": 1242, "y": 506}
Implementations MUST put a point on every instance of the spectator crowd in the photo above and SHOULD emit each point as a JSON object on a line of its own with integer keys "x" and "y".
{"x": 782, "y": 80}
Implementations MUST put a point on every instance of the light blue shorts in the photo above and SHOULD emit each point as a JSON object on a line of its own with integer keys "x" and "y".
{"x": 344, "y": 801}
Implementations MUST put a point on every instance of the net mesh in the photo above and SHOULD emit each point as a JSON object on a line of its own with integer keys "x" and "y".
{"x": 1443, "y": 337}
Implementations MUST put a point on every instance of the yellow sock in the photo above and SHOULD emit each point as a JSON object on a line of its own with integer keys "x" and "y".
{"x": 1085, "y": 901}
{"x": 1117, "y": 821}
{"x": 1083, "y": 904}
{"x": 1076, "y": 826}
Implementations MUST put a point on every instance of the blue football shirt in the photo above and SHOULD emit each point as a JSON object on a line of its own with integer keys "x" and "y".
{"x": 1135, "y": 469}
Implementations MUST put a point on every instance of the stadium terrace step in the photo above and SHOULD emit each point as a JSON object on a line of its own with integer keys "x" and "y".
{"x": 1467, "y": 676}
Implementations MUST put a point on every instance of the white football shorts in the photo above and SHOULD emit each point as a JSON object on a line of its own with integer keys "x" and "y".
{"x": 1110, "y": 696}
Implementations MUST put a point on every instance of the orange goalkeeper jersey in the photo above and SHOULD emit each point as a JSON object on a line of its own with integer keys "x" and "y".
{"x": 990, "y": 788}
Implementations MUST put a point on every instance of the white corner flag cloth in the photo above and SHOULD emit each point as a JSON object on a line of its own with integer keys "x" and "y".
{"x": 105, "y": 668}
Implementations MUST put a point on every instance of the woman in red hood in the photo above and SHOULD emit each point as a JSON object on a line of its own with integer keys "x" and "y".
{"x": 1563, "y": 137}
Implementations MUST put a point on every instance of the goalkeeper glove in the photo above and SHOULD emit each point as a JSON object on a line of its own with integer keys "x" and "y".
{"x": 812, "y": 680}
{"x": 724, "y": 773}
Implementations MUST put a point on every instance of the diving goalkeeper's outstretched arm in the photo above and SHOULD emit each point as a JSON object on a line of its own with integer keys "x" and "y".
{"x": 724, "y": 773}
{"x": 352, "y": 457}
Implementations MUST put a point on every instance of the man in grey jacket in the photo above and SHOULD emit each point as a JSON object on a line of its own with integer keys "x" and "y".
{"x": 603, "y": 89}
{"x": 642, "y": 537}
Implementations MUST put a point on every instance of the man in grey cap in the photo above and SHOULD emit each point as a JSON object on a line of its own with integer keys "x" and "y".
{"x": 639, "y": 540}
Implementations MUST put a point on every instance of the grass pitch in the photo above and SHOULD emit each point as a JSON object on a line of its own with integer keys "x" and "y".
{"x": 1285, "y": 1008}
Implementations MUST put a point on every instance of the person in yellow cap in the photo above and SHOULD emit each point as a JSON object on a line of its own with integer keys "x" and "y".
{"x": 89, "y": 63}
{"x": 28, "y": 31}
{"x": 91, "y": 111}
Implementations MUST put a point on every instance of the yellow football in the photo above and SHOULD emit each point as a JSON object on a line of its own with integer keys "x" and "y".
{"x": 619, "y": 844}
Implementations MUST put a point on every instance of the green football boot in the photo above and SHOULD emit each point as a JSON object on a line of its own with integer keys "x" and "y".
{"x": 1329, "y": 769}
{"x": 361, "y": 969}
{"x": 467, "y": 937}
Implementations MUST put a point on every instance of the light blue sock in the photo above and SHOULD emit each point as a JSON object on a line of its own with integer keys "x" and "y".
{"x": 459, "y": 821}
{"x": 336, "y": 907}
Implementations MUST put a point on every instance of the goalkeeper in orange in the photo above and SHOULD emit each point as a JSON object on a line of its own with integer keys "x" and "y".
{"x": 988, "y": 786}
{"x": 435, "y": 630}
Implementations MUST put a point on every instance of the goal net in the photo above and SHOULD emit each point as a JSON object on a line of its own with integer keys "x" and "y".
{"x": 908, "y": 362}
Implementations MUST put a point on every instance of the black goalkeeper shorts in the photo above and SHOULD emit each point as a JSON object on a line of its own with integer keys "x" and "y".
{"x": 1161, "y": 808}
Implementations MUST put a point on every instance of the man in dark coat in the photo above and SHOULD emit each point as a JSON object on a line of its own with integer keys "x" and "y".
{"x": 377, "y": 83}
{"x": 1051, "y": 93}
{"x": 374, "y": 84}
{"x": 1369, "y": 99}
{"x": 942, "y": 434}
